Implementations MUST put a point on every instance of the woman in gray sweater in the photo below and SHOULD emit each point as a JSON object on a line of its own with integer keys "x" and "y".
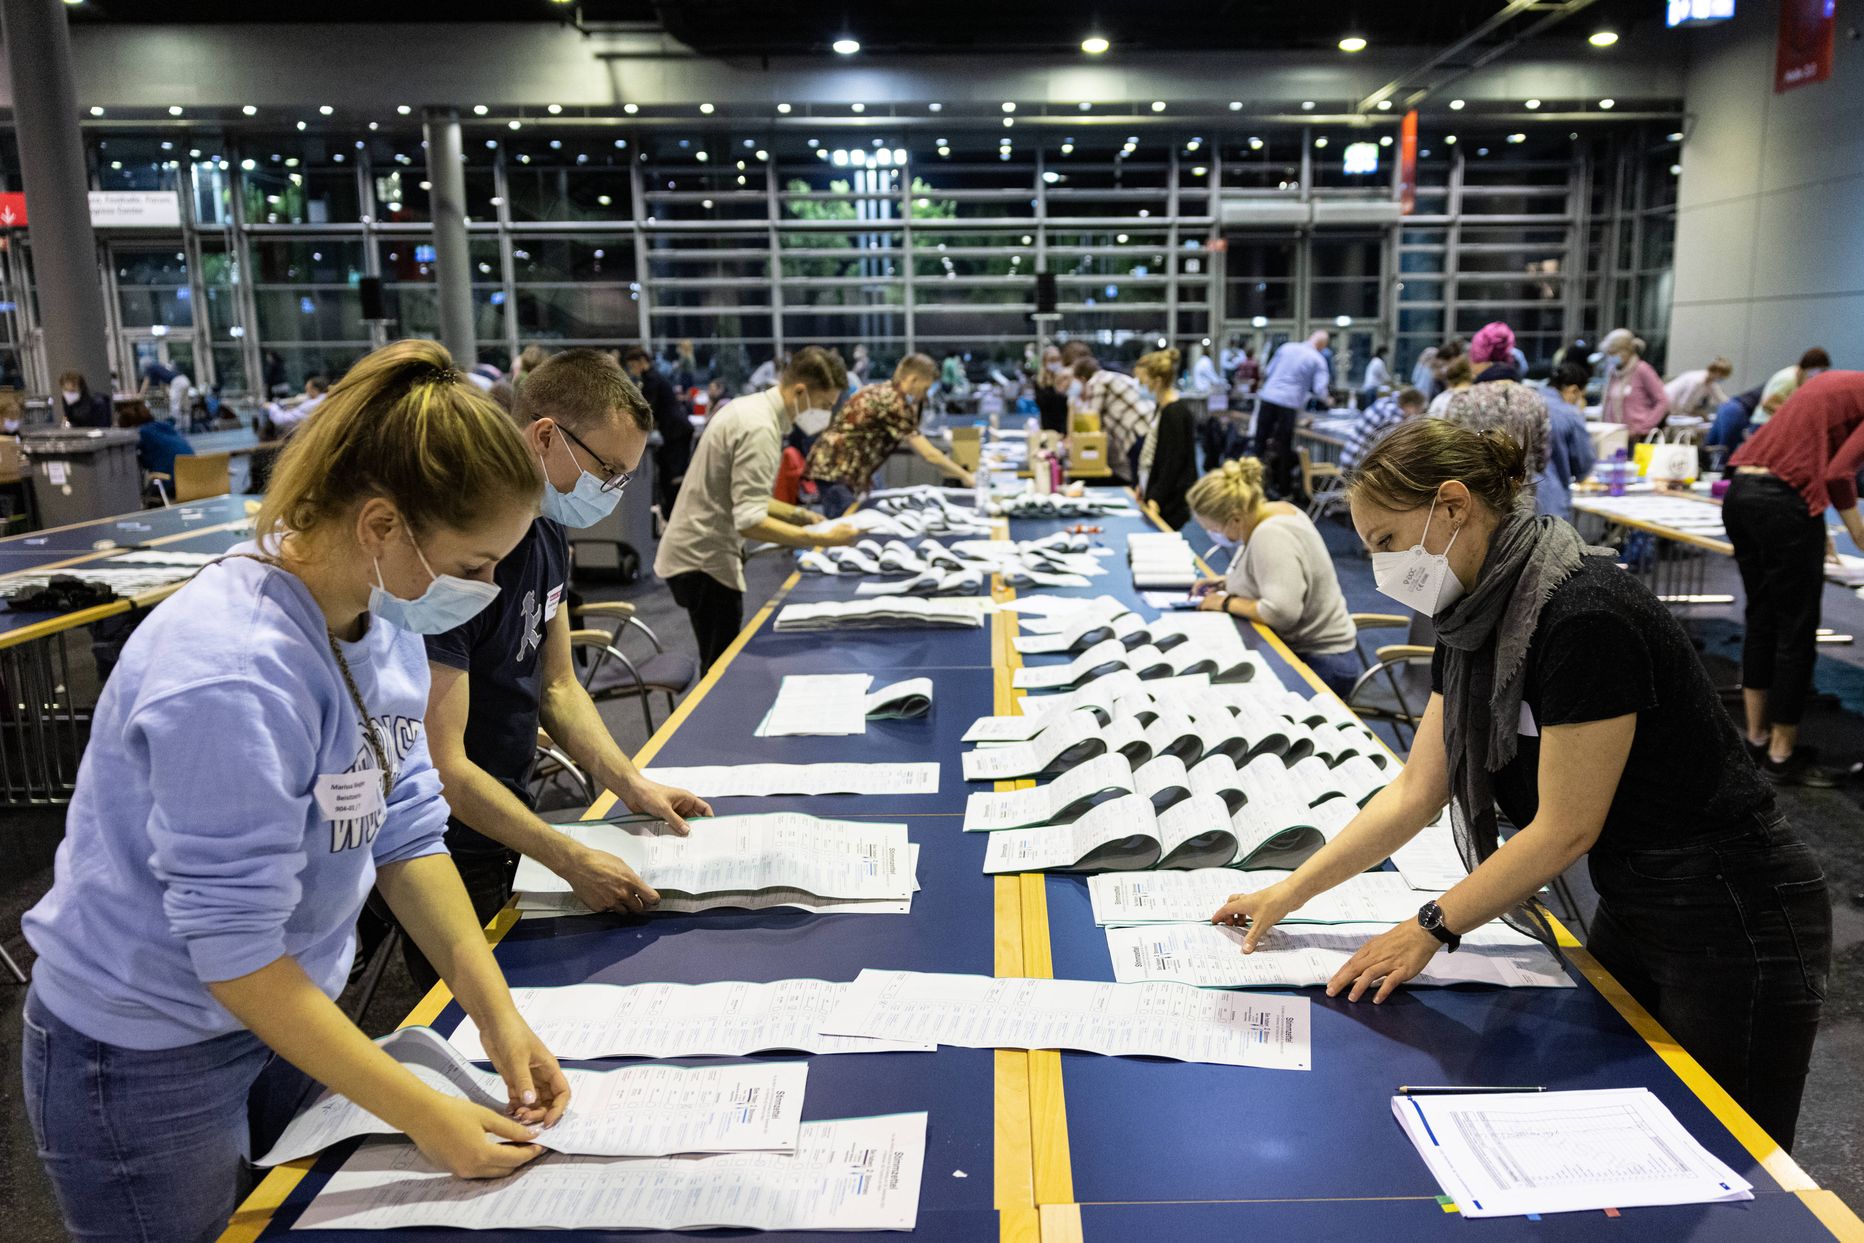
{"x": 1280, "y": 572}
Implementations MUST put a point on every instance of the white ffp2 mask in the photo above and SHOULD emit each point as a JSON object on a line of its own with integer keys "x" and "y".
{"x": 1417, "y": 579}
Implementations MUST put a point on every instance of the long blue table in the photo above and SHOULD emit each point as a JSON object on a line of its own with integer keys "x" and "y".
{"x": 1061, "y": 1147}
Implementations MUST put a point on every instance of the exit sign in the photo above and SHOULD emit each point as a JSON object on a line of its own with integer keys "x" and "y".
{"x": 13, "y": 210}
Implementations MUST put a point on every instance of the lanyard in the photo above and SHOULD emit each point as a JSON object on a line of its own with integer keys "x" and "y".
{"x": 363, "y": 718}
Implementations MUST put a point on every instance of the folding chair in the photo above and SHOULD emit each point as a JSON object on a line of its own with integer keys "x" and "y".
{"x": 554, "y": 767}
{"x": 196, "y": 477}
{"x": 1324, "y": 483}
{"x": 609, "y": 673}
{"x": 1387, "y": 662}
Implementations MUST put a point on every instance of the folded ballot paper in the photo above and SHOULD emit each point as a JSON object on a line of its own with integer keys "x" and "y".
{"x": 930, "y": 583}
{"x": 1307, "y": 955}
{"x": 1237, "y": 664}
{"x": 1510, "y": 1154}
{"x": 884, "y": 613}
{"x": 743, "y": 862}
{"x": 840, "y": 704}
{"x": 1132, "y": 899}
{"x": 1161, "y": 559}
{"x": 724, "y": 1018}
{"x": 844, "y": 1174}
{"x": 633, "y": 1111}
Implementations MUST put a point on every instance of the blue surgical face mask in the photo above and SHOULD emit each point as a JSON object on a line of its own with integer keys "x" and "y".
{"x": 449, "y": 601}
{"x": 583, "y": 505}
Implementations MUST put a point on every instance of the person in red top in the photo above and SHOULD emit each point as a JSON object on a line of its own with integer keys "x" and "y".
{"x": 866, "y": 430}
{"x": 1804, "y": 459}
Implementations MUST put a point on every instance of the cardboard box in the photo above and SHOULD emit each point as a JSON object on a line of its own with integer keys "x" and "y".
{"x": 1083, "y": 421}
{"x": 966, "y": 446}
{"x": 1087, "y": 452}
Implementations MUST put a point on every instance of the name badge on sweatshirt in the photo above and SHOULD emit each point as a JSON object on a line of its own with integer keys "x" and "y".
{"x": 350, "y": 796}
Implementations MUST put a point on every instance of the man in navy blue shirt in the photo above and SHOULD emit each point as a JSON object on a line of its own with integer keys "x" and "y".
{"x": 508, "y": 670}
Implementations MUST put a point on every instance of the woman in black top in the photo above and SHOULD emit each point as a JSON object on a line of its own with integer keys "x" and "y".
{"x": 1565, "y": 692}
{"x": 1168, "y": 454}
{"x": 1051, "y": 385}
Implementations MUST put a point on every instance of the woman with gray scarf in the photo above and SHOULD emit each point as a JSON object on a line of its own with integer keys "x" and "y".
{"x": 1564, "y": 692}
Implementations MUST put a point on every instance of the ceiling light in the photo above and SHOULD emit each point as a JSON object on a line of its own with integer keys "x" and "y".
{"x": 1199, "y": 171}
{"x": 1533, "y": 105}
{"x": 1450, "y": 139}
{"x": 1343, "y": 321}
{"x": 403, "y": 109}
{"x": 1320, "y": 142}
{"x": 514, "y": 125}
{"x": 302, "y": 127}
{"x": 706, "y": 109}
{"x": 1307, "y": 105}
{"x": 1008, "y": 121}
{"x": 1255, "y": 144}
{"x": 1602, "y": 38}
{"x": 480, "y": 110}
{"x": 249, "y": 110}
{"x": 1260, "y": 321}
{"x": 1676, "y": 170}
{"x": 1675, "y": 135}
{"x": 1608, "y": 104}
{"x": 554, "y": 109}
{"x": 1236, "y": 105}
{"x": 702, "y": 156}
{"x": 1352, "y": 43}
{"x": 174, "y": 110}
{"x": 784, "y": 109}
{"x": 1009, "y": 106}
{"x": 96, "y": 110}
{"x": 248, "y": 164}
{"x": 1094, "y": 45}
{"x": 631, "y": 109}
{"x": 1517, "y": 138}
{"x": 1051, "y": 176}
{"x": 847, "y": 47}
{"x": 857, "y": 107}
{"x": 1385, "y": 105}
{"x": 1456, "y": 105}
{"x": 935, "y": 107}
{"x": 944, "y": 150}
{"x": 325, "y": 109}
{"x": 1158, "y": 105}
{"x": 1385, "y": 140}
{"x": 1085, "y": 106}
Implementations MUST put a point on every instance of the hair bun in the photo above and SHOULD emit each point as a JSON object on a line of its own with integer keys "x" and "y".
{"x": 1509, "y": 458}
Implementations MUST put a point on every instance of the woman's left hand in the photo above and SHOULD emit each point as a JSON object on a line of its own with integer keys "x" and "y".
{"x": 539, "y": 1092}
{"x": 1214, "y": 602}
{"x": 1387, "y": 960}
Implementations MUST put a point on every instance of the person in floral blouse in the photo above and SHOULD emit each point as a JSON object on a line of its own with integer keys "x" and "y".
{"x": 867, "y": 429}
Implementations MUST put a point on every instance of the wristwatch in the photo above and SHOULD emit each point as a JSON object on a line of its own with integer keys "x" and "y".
{"x": 1430, "y": 919}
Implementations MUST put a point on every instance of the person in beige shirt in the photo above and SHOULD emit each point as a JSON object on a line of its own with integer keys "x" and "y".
{"x": 726, "y": 499}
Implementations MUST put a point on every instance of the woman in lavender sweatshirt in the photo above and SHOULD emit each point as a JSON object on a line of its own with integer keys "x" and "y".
{"x": 256, "y": 766}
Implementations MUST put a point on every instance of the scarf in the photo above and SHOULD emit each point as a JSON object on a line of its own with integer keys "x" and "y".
{"x": 1486, "y": 636}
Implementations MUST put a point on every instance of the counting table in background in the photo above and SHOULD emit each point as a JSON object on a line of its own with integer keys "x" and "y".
{"x": 1060, "y": 1147}
{"x": 42, "y": 729}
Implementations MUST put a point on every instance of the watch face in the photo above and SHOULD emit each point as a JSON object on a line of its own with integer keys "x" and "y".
{"x": 1431, "y": 915}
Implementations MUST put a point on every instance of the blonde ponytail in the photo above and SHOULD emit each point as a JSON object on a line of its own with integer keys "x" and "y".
{"x": 406, "y": 425}
{"x": 1228, "y": 494}
{"x": 1158, "y": 370}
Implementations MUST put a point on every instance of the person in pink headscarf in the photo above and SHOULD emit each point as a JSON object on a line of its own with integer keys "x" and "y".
{"x": 1493, "y": 350}
{"x": 1498, "y": 399}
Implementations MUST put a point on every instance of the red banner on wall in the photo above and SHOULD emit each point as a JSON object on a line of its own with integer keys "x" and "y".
{"x": 1805, "y": 53}
{"x": 13, "y": 210}
{"x": 1407, "y": 164}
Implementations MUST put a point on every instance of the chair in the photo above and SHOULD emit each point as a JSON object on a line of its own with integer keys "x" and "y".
{"x": 197, "y": 477}
{"x": 554, "y": 767}
{"x": 1324, "y": 483}
{"x": 1385, "y": 665}
{"x": 609, "y": 673}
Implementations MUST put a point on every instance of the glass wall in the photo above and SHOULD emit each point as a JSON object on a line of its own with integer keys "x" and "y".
{"x": 750, "y": 241}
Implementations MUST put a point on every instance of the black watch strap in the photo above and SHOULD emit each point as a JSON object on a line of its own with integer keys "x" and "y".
{"x": 1430, "y": 918}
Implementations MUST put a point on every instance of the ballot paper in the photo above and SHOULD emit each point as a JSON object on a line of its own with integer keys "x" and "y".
{"x": 164, "y": 556}
{"x": 1040, "y": 605}
{"x": 900, "y": 700}
{"x": 819, "y": 704}
{"x": 726, "y": 1018}
{"x": 846, "y": 1174}
{"x": 1070, "y": 739}
{"x": 633, "y": 1111}
{"x": 1081, "y": 631}
{"x": 746, "y": 862}
{"x": 1146, "y": 1020}
{"x": 891, "y": 612}
{"x": 1125, "y": 899}
{"x": 1431, "y": 860}
{"x": 765, "y": 780}
{"x": 1122, "y": 833}
{"x": 1063, "y": 799}
{"x": 930, "y": 583}
{"x": 1516, "y": 1153}
{"x": 1302, "y": 955}
{"x": 1161, "y": 559}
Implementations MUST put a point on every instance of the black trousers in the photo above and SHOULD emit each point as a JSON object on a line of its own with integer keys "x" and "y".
{"x": 1780, "y": 549}
{"x": 716, "y": 612}
{"x": 1275, "y": 446}
{"x": 487, "y": 876}
{"x": 1728, "y": 943}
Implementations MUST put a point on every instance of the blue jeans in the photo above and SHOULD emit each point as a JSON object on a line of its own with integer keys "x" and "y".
{"x": 150, "y": 1145}
{"x": 1731, "y": 425}
{"x": 834, "y": 497}
{"x": 1339, "y": 670}
{"x": 1728, "y": 943}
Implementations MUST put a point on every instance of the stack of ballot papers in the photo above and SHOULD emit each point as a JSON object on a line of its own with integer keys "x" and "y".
{"x": 1147, "y": 662}
{"x": 1513, "y": 1154}
{"x": 725, "y": 1018}
{"x": 1303, "y": 955}
{"x": 886, "y": 613}
{"x": 634, "y": 1111}
{"x": 1130, "y": 899}
{"x": 1059, "y": 505}
{"x": 766, "y": 780}
{"x": 1679, "y": 513}
{"x": 1147, "y": 1020}
{"x": 844, "y": 1174}
{"x": 839, "y": 704}
{"x": 930, "y": 583}
{"x": 1161, "y": 559}
{"x": 125, "y": 581}
{"x": 743, "y": 862}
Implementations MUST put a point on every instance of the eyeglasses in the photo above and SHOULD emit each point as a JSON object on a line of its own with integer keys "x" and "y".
{"x": 614, "y": 479}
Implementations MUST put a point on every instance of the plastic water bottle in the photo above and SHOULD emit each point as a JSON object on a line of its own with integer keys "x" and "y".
{"x": 1616, "y": 472}
{"x": 982, "y": 497}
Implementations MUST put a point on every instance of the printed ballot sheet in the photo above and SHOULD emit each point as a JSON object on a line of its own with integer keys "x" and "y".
{"x": 1307, "y": 955}
{"x": 735, "y": 861}
{"x": 726, "y": 1018}
{"x": 1430, "y": 860}
{"x": 846, "y": 1174}
{"x": 900, "y": 700}
{"x": 1124, "y": 899}
{"x": 635, "y": 1111}
{"x": 1145, "y": 1020}
{"x": 1514, "y": 1153}
{"x": 765, "y": 780}
{"x": 811, "y": 704}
